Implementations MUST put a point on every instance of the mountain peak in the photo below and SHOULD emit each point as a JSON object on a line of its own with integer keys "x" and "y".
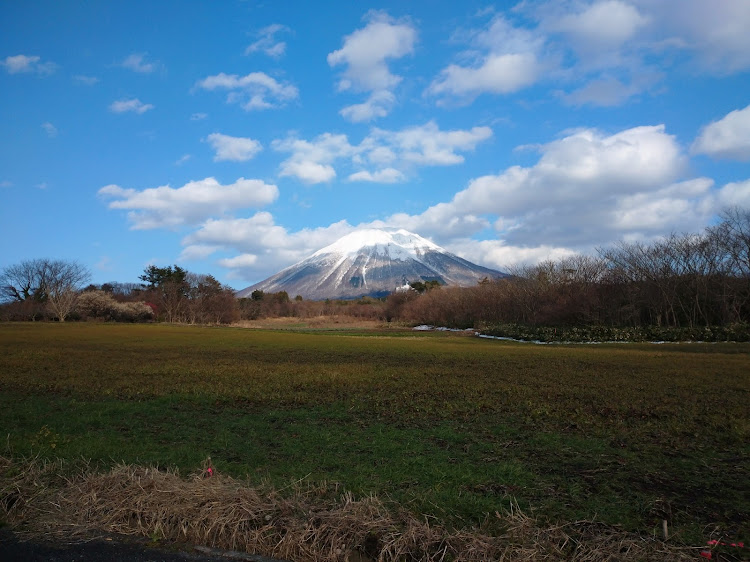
{"x": 399, "y": 244}
{"x": 372, "y": 262}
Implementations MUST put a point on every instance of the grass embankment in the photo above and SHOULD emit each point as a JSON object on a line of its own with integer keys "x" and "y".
{"x": 452, "y": 427}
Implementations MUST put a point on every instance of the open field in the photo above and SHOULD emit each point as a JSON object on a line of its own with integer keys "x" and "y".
{"x": 452, "y": 427}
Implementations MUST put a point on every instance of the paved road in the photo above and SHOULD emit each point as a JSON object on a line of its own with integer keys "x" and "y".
{"x": 113, "y": 549}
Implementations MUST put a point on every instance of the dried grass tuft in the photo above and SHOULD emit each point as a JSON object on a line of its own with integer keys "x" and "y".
{"x": 302, "y": 522}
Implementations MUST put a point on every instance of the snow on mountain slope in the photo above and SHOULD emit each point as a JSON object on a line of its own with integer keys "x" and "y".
{"x": 372, "y": 262}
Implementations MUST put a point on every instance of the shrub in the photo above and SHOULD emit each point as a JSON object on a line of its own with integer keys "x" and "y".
{"x": 99, "y": 304}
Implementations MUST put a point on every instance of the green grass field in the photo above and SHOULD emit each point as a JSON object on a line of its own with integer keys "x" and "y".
{"x": 448, "y": 426}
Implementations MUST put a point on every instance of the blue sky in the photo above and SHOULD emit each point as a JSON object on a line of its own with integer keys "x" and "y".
{"x": 236, "y": 138}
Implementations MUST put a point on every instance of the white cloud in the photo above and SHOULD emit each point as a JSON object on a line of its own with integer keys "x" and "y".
{"x": 167, "y": 207}
{"x": 441, "y": 222}
{"x": 427, "y": 145}
{"x": 235, "y": 149}
{"x": 586, "y": 188}
{"x": 272, "y": 245}
{"x": 424, "y": 145}
{"x": 197, "y": 252}
{"x": 50, "y": 129}
{"x": 136, "y": 62}
{"x": 365, "y": 55}
{"x": 182, "y": 159}
{"x": 603, "y": 25}
{"x": 133, "y": 105}
{"x": 497, "y": 74}
{"x": 198, "y": 116}
{"x": 601, "y": 52}
{"x": 729, "y": 137}
{"x": 311, "y": 160}
{"x": 267, "y": 42}
{"x": 714, "y": 32}
{"x": 86, "y": 80}
{"x": 26, "y": 64}
{"x": 500, "y": 255}
{"x": 386, "y": 175}
{"x": 379, "y": 104}
{"x": 42, "y": 185}
{"x": 6, "y": 183}
{"x": 506, "y": 59}
{"x": 307, "y": 171}
{"x": 735, "y": 194}
{"x": 254, "y": 91}
{"x": 608, "y": 91}
{"x": 241, "y": 261}
{"x": 365, "y": 52}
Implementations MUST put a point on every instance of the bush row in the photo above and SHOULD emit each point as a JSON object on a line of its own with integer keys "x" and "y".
{"x": 730, "y": 332}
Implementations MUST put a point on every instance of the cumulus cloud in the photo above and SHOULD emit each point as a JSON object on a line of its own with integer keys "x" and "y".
{"x": 311, "y": 161}
{"x": 610, "y": 50}
{"x": 137, "y": 63}
{"x": 586, "y": 186}
{"x": 254, "y": 91}
{"x": 735, "y": 194}
{"x": 235, "y": 149}
{"x": 386, "y": 175}
{"x": 608, "y": 91}
{"x": 267, "y": 42}
{"x": 427, "y": 145}
{"x": 18, "y": 64}
{"x": 379, "y": 104}
{"x": 600, "y": 26}
{"x": 496, "y": 74}
{"x": 423, "y": 145}
{"x": 264, "y": 247}
{"x": 504, "y": 59}
{"x": 197, "y": 252}
{"x": 132, "y": 105}
{"x": 715, "y": 33}
{"x": 500, "y": 255}
{"x": 241, "y": 261}
{"x": 729, "y": 137}
{"x": 365, "y": 55}
{"x": 623, "y": 33}
{"x": 167, "y": 207}
{"x": 365, "y": 52}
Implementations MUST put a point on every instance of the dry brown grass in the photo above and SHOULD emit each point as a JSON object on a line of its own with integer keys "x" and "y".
{"x": 323, "y": 322}
{"x": 316, "y": 322}
{"x": 300, "y": 523}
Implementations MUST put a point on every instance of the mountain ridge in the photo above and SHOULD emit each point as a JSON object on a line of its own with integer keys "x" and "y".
{"x": 372, "y": 262}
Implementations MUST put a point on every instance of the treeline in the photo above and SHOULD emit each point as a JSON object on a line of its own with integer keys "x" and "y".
{"x": 681, "y": 281}
{"x": 45, "y": 289}
{"x": 273, "y": 305}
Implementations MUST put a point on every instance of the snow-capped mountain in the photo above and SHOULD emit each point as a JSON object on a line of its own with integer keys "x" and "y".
{"x": 372, "y": 262}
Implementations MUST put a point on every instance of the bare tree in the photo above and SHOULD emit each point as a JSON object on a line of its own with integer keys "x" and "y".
{"x": 54, "y": 283}
{"x": 64, "y": 279}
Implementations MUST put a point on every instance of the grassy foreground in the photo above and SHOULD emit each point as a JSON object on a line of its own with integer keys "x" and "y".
{"x": 452, "y": 427}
